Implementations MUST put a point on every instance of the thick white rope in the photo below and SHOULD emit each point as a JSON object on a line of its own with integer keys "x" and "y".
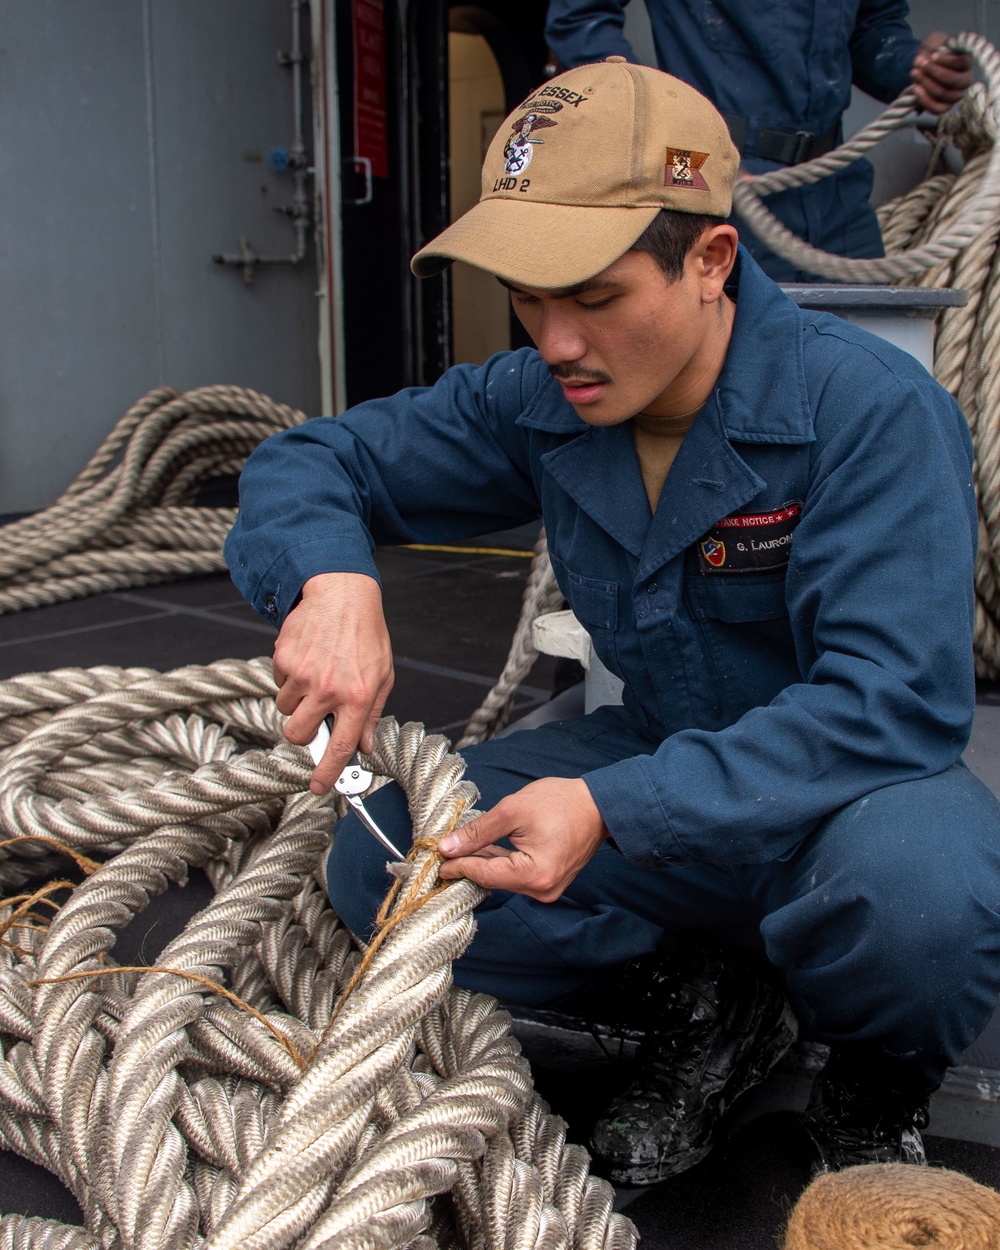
{"x": 541, "y": 594}
{"x": 219, "y": 1098}
{"x": 981, "y": 209}
{"x": 128, "y": 519}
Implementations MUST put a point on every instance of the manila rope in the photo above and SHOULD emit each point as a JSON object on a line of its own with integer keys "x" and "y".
{"x": 894, "y": 1206}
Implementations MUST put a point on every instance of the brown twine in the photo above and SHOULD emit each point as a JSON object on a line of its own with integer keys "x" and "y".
{"x": 83, "y": 862}
{"x": 214, "y": 986}
{"x": 22, "y": 905}
{"x": 23, "y": 951}
{"x": 386, "y": 923}
{"x": 895, "y": 1206}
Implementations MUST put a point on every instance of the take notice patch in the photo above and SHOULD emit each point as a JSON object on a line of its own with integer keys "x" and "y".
{"x": 749, "y": 542}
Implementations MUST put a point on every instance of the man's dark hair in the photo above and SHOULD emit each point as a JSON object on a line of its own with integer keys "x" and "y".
{"x": 670, "y": 236}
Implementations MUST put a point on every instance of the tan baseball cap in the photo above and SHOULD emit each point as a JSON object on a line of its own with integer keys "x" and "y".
{"x": 579, "y": 170}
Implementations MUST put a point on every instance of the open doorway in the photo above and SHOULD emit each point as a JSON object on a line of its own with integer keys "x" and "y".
{"x": 394, "y": 171}
{"x": 480, "y": 307}
{"x": 496, "y": 56}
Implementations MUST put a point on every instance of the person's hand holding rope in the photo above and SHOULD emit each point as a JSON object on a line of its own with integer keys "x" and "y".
{"x": 940, "y": 78}
{"x": 940, "y": 73}
{"x": 554, "y": 827}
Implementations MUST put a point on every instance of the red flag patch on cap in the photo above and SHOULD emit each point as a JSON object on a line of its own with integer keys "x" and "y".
{"x": 681, "y": 169}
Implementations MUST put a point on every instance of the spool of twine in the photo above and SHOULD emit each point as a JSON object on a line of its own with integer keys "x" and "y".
{"x": 895, "y": 1206}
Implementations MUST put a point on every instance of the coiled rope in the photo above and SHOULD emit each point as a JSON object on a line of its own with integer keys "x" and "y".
{"x": 232, "y": 1095}
{"x": 961, "y": 229}
{"x": 128, "y": 519}
{"x": 895, "y": 1206}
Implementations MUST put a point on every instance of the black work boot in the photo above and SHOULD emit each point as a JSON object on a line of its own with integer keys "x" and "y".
{"x": 859, "y": 1114}
{"x": 717, "y": 1027}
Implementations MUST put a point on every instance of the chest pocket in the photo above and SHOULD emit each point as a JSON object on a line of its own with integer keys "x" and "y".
{"x": 737, "y": 599}
{"x": 746, "y": 637}
{"x": 759, "y": 33}
{"x": 595, "y": 605}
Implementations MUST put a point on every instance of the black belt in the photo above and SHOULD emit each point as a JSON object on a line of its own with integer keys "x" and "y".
{"x": 788, "y": 147}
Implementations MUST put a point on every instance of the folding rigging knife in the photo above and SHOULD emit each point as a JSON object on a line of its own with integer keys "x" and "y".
{"x": 352, "y": 784}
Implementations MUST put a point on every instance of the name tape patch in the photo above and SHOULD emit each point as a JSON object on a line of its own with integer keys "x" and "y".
{"x": 749, "y": 542}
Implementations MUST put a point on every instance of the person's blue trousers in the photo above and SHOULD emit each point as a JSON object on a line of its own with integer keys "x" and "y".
{"x": 884, "y": 921}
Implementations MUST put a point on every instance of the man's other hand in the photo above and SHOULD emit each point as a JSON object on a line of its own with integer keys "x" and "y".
{"x": 333, "y": 655}
{"x": 940, "y": 78}
{"x": 555, "y": 829}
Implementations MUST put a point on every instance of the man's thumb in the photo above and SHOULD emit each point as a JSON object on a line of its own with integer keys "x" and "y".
{"x": 472, "y": 837}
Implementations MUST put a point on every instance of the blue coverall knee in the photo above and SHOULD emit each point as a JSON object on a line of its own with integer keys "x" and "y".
{"x": 883, "y": 920}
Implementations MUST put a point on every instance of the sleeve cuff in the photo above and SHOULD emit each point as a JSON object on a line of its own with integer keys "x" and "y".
{"x": 634, "y": 815}
{"x": 279, "y": 588}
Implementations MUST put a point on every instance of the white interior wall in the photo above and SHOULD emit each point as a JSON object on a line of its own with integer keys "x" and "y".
{"x": 135, "y": 142}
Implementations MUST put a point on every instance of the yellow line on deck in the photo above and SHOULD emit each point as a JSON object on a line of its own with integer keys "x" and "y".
{"x": 471, "y": 551}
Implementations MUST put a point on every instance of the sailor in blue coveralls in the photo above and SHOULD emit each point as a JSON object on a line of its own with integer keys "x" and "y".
{"x": 789, "y": 608}
{"x": 780, "y": 72}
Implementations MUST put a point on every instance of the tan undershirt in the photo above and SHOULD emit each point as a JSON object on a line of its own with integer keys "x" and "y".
{"x": 657, "y": 441}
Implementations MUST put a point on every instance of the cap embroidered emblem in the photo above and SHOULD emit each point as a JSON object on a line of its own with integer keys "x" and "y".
{"x": 682, "y": 169}
{"x": 543, "y": 106}
{"x": 517, "y": 150}
{"x": 713, "y": 551}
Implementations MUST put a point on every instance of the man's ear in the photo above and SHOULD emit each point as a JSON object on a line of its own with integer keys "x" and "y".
{"x": 715, "y": 253}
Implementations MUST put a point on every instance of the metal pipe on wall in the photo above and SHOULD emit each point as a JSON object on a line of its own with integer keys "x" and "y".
{"x": 281, "y": 160}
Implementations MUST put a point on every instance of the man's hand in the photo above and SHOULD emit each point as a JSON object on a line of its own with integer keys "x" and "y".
{"x": 940, "y": 78}
{"x": 555, "y": 827}
{"x": 333, "y": 655}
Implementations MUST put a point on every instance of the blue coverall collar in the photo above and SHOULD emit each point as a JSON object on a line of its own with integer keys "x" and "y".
{"x": 758, "y": 399}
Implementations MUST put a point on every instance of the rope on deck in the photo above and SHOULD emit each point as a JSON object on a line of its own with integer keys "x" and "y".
{"x": 128, "y": 519}
{"x": 541, "y": 594}
{"x": 231, "y": 1096}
